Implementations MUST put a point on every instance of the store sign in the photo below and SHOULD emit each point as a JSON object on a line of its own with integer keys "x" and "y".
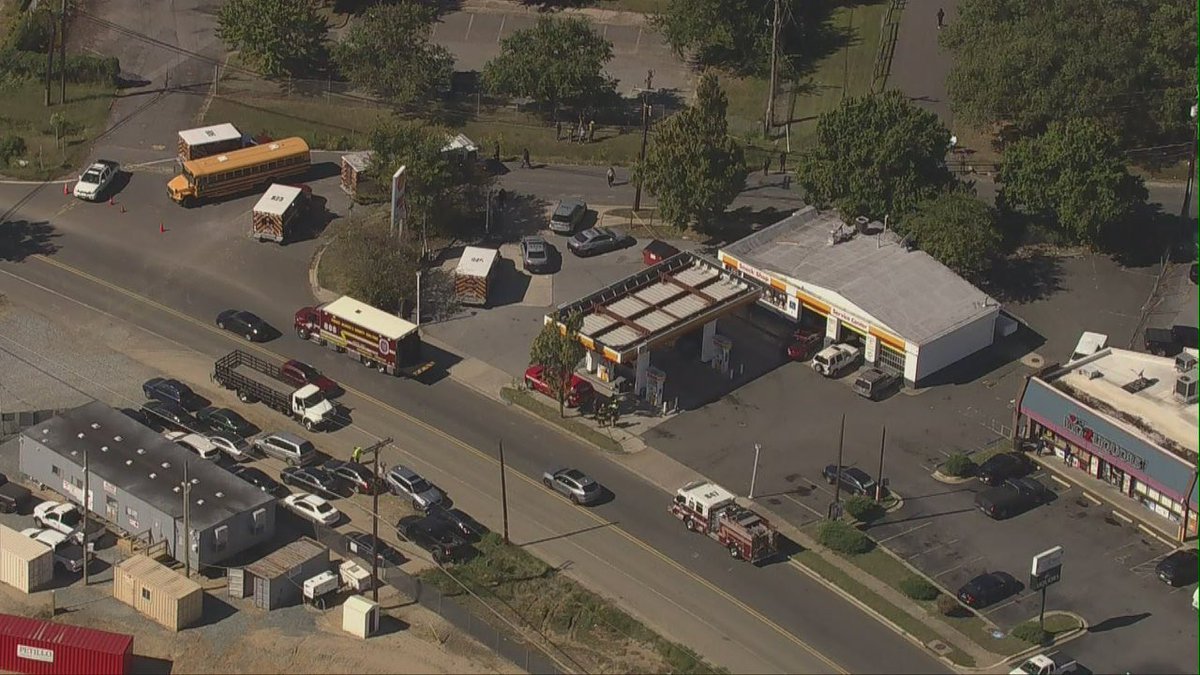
{"x": 846, "y": 318}
{"x": 755, "y": 273}
{"x": 110, "y": 488}
{"x": 872, "y": 347}
{"x": 1080, "y": 428}
{"x": 1046, "y": 568}
{"x": 35, "y": 653}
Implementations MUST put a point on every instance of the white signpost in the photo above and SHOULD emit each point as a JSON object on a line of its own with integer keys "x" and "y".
{"x": 1045, "y": 570}
{"x": 399, "y": 202}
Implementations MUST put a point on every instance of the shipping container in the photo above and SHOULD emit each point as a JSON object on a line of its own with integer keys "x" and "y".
{"x": 25, "y": 564}
{"x": 47, "y": 648}
{"x": 277, "y": 578}
{"x": 159, "y": 592}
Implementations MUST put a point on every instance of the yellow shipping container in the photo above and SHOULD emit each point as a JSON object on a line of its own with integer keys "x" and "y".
{"x": 158, "y": 592}
{"x": 24, "y": 563}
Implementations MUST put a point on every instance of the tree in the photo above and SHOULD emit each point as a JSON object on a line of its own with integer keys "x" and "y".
{"x": 558, "y": 352}
{"x": 736, "y": 34}
{"x": 1073, "y": 176}
{"x": 281, "y": 37}
{"x": 388, "y": 53}
{"x": 1027, "y": 63}
{"x": 692, "y": 165}
{"x": 959, "y": 230}
{"x": 375, "y": 268}
{"x": 560, "y": 60}
{"x": 875, "y": 156}
{"x": 432, "y": 179}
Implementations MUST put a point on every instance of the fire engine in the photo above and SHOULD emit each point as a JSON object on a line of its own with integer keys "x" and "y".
{"x": 371, "y": 336}
{"x": 710, "y": 509}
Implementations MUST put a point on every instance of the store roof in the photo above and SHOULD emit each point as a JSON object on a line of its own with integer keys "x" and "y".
{"x": 1138, "y": 390}
{"x": 140, "y": 461}
{"x": 906, "y": 290}
{"x": 277, "y": 199}
{"x": 211, "y": 134}
{"x": 657, "y": 304}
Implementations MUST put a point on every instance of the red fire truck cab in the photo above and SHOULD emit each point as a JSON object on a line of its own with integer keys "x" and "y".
{"x": 369, "y": 335}
{"x": 710, "y": 509}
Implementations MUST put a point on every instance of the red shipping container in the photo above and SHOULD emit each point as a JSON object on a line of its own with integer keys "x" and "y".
{"x": 47, "y": 648}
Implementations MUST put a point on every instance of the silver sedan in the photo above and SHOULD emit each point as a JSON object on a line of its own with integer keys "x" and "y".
{"x": 573, "y": 484}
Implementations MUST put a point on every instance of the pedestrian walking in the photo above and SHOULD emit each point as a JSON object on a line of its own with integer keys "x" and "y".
{"x": 496, "y": 152}
{"x": 580, "y": 133}
{"x": 767, "y": 166}
{"x": 612, "y": 176}
{"x": 591, "y": 131}
{"x": 783, "y": 161}
{"x": 941, "y": 16}
{"x": 525, "y": 159}
{"x": 500, "y": 197}
{"x": 558, "y": 130}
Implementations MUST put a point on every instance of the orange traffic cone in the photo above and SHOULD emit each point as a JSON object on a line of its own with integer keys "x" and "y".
{"x": 161, "y": 229}
{"x": 65, "y": 191}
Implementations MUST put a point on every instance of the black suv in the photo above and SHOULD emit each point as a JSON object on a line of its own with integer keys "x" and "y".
{"x": 1178, "y": 569}
{"x": 434, "y": 534}
{"x": 259, "y": 479}
{"x": 1015, "y": 496}
{"x": 169, "y": 391}
{"x": 999, "y": 468}
{"x": 224, "y": 419}
{"x": 856, "y": 481}
{"x": 170, "y": 415}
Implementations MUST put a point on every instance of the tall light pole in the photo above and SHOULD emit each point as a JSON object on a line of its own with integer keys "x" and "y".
{"x": 637, "y": 195}
{"x": 879, "y": 478}
{"x": 1191, "y": 178}
{"x": 754, "y": 471}
{"x": 835, "y": 509}
{"x": 87, "y": 472}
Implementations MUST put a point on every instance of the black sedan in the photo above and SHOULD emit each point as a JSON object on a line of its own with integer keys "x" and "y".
{"x": 434, "y": 534}
{"x": 1178, "y": 569}
{"x": 362, "y": 544}
{"x": 597, "y": 240}
{"x": 169, "y": 391}
{"x": 244, "y": 323}
{"x": 1015, "y": 496}
{"x": 226, "y": 420}
{"x": 258, "y": 479}
{"x": 315, "y": 479}
{"x": 988, "y": 588}
{"x": 144, "y": 419}
{"x": 354, "y": 474}
{"x": 854, "y": 480}
{"x": 170, "y": 415}
{"x": 466, "y": 526}
{"x": 999, "y": 468}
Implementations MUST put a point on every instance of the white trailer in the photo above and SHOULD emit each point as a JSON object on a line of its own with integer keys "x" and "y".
{"x": 206, "y": 141}
{"x": 474, "y": 274}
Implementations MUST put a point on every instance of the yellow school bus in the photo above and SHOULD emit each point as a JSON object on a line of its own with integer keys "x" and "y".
{"x": 238, "y": 171}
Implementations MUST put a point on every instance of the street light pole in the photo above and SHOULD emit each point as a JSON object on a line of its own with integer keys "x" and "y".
{"x": 503, "y": 493}
{"x": 1191, "y": 179}
{"x": 879, "y": 480}
{"x": 837, "y": 472}
{"x": 637, "y": 195}
{"x": 87, "y": 471}
{"x": 754, "y": 472}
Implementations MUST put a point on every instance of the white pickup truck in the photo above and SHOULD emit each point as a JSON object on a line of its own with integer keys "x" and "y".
{"x": 834, "y": 359}
{"x": 1043, "y": 664}
{"x": 64, "y": 518}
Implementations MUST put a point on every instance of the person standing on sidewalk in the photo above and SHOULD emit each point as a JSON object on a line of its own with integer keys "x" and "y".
{"x": 941, "y": 17}
{"x": 611, "y": 175}
{"x": 783, "y": 161}
{"x": 767, "y": 166}
{"x": 525, "y": 159}
{"x": 496, "y": 152}
{"x": 558, "y": 130}
{"x": 591, "y": 131}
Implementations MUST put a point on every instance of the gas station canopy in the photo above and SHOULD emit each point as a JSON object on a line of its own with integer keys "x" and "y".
{"x": 657, "y": 305}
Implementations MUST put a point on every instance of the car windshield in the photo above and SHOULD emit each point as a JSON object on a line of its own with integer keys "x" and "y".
{"x": 92, "y": 176}
{"x": 306, "y": 370}
{"x": 312, "y": 399}
{"x": 322, "y": 507}
{"x": 821, "y": 360}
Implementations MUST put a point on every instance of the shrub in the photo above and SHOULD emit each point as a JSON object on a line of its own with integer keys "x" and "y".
{"x": 959, "y": 465}
{"x": 949, "y": 606}
{"x": 80, "y": 67}
{"x": 843, "y": 538}
{"x": 1032, "y": 633}
{"x": 11, "y": 146}
{"x": 918, "y": 588}
{"x": 863, "y": 508}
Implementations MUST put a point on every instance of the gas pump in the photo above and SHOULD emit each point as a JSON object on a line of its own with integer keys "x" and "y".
{"x": 722, "y": 346}
{"x": 655, "y": 379}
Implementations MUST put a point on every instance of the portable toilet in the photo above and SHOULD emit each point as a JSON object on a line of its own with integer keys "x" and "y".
{"x": 360, "y": 616}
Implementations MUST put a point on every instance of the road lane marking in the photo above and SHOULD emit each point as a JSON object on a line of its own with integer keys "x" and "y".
{"x": 962, "y": 564}
{"x": 908, "y": 531}
{"x": 445, "y": 436}
{"x": 470, "y": 22}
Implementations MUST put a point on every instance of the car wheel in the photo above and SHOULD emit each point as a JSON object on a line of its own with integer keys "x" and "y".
{"x": 830, "y": 480}
{"x": 368, "y": 363}
{"x": 243, "y": 397}
{"x": 383, "y": 368}
{"x": 734, "y": 552}
{"x": 301, "y": 333}
{"x": 689, "y": 524}
{"x": 417, "y": 506}
{"x": 290, "y": 462}
{"x": 574, "y": 499}
{"x": 249, "y": 337}
{"x": 39, "y": 522}
{"x": 547, "y": 483}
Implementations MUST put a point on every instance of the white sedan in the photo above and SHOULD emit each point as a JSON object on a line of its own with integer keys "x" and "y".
{"x": 312, "y": 507}
{"x": 95, "y": 179}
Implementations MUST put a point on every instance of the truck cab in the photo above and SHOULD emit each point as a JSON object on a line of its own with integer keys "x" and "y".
{"x": 311, "y": 407}
{"x": 1042, "y": 664}
{"x": 64, "y": 518}
{"x": 835, "y": 359}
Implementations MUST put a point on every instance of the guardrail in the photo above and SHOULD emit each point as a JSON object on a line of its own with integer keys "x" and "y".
{"x": 889, "y": 29}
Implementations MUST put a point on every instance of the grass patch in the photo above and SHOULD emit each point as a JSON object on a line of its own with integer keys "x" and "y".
{"x": 529, "y": 402}
{"x": 980, "y": 632}
{"x": 23, "y": 113}
{"x": 516, "y": 131}
{"x": 325, "y": 125}
{"x": 594, "y": 632}
{"x": 814, "y": 562}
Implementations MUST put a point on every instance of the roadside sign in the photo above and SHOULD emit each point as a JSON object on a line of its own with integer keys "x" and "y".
{"x": 1046, "y": 568}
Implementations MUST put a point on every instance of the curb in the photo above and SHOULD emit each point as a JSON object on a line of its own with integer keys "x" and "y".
{"x": 1084, "y": 626}
{"x": 950, "y": 480}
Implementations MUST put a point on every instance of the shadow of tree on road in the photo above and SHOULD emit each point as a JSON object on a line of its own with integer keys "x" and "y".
{"x": 20, "y": 239}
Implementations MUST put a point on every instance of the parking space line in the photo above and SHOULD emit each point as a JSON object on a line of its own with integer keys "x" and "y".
{"x": 1011, "y": 601}
{"x": 1114, "y": 552}
{"x": 500, "y": 33}
{"x": 1060, "y": 481}
{"x": 470, "y": 22}
{"x": 901, "y": 534}
{"x": 1091, "y": 497}
{"x": 818, "y": 513}
{"x": 1122, "y": 516}
{"x": 932, "y": 548}
{"x": 962, "y": 564}
{"x": 638, "y": 42}
{"x": 1156, "y": 535}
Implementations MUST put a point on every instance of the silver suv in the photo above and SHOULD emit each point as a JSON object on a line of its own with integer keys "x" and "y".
{"x": 292, "y": 449}
{"x": 404, "y": 481}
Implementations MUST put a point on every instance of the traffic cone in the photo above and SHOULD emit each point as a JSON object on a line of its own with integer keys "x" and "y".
{"x": 65, "y": 191}
{"x": 110, "y": 201}
{"x": 161, "y": 229}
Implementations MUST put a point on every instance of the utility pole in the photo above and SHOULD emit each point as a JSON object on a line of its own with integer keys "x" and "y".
{"x": 754, "y": 472}
{"x": 1191, "y": 178}
{"x": 637, "y": 195}
{"x": 49, "y": 57}
{"x": 503, "y": 493}
{"x": 87, "y": 485}
{"x": 187, "y": 523}
{"x": 62, "y": 53}
{"x": 835, "y": 507}
{"x": 769, "y": 117}
{"x": 879, "y": 480}
{"x": 375, "y": 488}
{"x": 418, "y": 317}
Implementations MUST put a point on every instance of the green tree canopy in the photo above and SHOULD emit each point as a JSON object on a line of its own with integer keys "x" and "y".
{"x": 432, "y": 178}
{"x": 280, "y": 37}
{"x": 692, "y": 165}
{"x": 875, "y": 156}
{"x": 957, "y": 229}
{"x": 736, "y": 34}
{"x": 1130, "y": 65}
{"x": 1074, "y": 178}
{"x": 376, "y": 269}
{"x": 558, "y": 352}
{"x": 560, "y": 60}
{"x": 388, "y": 53}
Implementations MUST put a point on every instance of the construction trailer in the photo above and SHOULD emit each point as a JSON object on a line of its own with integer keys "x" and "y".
{"x": 474, "y": 276}
{"x": 273, "y": 217}
{"x": 25, "y": 564}
{"x": 158, "y": 591}
{"x": 277, "y": 580}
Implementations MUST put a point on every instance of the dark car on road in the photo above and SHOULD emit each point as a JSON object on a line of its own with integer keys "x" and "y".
{"x": 298, "y": 374}
{"x": 246, "y": 324}
{"x": 143, "y": 419}
{"x": 597, "y": 240}
{"x": 567, "y": 215}
{"x": 314, "y": 479}
{"x": 987, "y": 588}
{"x": 855, "y": 480}
{"x": 1013, "y": 497}
{"x": 1179, "y": 568}
{"x": 357, "y": 476}
{"x": 434, "y": 534}
{"x": 362, "y": 544}
{"x": 466, "y": 526}
{"x": 536, "y": 255}
{"x": 1000, "y": 467}
{"x": 259, "y": 479}
{"x": 169, "y": 391}
{"x": 226, "y": 420}
{"x": 170, "y": 415}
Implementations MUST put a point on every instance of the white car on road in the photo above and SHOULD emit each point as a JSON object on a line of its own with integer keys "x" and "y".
{"x": 95, "y": 179}
{"x": 312, "y": 507}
